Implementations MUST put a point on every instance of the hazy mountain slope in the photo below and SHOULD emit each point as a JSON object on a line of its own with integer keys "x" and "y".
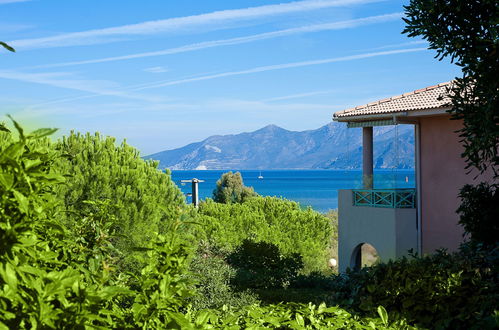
{"x": 272, "y": 147}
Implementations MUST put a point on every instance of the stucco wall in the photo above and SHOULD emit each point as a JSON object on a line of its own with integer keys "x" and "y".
{"x": 392, "y": 232}
{"x": 442, "y": 176}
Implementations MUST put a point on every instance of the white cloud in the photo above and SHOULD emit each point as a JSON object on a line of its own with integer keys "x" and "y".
{"x": 125, "y": 92}
{"x": 280, "y": 67}
{"x": 201, "y": 21}
{"x": 241, "y": 40}
{"x": 9, "y": 28}
{"x": 4, "y": 2}
{"x": 299, "y": 95}
{"x": 156, "y": 69}
{"x": 61, "y": 80}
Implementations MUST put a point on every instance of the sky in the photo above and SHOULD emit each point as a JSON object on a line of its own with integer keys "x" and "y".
{"x": 162, "y": 74}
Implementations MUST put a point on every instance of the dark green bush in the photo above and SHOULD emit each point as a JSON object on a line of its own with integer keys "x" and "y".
{"x": 479, "y": 212}
{"x": 214, "y": 276}
{"x": 440, "y": 291}
{"x": 260, "y": 265}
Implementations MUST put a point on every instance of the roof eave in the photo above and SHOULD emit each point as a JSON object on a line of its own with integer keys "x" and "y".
{"x": 390, "y": 115}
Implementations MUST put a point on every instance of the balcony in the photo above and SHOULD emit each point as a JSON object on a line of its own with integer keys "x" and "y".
{"x": 383, "y": 218}
{"x": 388, "y": 198}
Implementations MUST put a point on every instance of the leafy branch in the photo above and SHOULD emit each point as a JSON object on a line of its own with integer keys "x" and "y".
{"x": 9, "y": 48}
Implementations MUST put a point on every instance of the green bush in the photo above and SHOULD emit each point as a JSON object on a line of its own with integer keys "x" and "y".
{"x": 479, "y": 211}
{"x": 260, "y": 265}
{"x": 214, "y": 276}
{"x": 293, "y": 316}
{"x": 268, "y": 219}
{"x": 50, "y": 281}
{"x": 140, "y": 199}
{"x": 439, "y": 291}
{"x": 231, "y": 189}
{"x": 38, "y": 288}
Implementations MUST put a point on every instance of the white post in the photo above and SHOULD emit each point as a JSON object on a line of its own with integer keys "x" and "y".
{"x": 367, "y": 157}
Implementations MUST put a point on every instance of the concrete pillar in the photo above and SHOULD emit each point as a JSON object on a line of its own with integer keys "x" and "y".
{"x": 367, "y": 157}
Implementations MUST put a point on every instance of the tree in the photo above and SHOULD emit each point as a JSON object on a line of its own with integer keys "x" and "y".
{"x": 105, "y": 178}
{"x": 231, "y": 189}
{"x": 467, "y": 32}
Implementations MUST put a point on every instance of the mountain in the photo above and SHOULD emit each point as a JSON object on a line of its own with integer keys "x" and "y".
{"x": 332, "y": 146}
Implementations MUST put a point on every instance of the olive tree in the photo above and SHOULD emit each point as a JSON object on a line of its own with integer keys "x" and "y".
{"x": 231, "y": 189}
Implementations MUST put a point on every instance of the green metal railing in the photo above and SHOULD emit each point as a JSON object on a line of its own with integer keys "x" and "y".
{"x": 389, "y": 198}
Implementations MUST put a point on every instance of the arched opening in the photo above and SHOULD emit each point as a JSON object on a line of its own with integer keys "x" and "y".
{"x": 364, "y": 255}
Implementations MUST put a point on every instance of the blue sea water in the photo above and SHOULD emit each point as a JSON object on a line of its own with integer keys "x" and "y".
{"x": 315, "y": 188}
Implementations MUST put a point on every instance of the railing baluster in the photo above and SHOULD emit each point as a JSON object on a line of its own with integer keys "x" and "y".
{"x": 388, "y": 198}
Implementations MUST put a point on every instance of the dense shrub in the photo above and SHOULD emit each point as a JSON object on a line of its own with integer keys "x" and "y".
{"x": 49, "y": 280}
{"x": 38, "y": 288}
{"x": 479, "y": 212}
{"x": 231, "y": 189}
{"x": 442, "y": 291}
{"x": 294, "y": 316}
{"x": 140, "y": 199}
{"x": 260, "y": 265}
{"x": 214, "y": 276}
{"x": 268, "y": 219}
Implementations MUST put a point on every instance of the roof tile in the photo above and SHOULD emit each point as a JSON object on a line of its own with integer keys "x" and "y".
{"x": 432, "y": 97}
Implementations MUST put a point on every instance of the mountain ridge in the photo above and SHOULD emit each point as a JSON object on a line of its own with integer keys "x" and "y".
{"x": 332, "y": 146}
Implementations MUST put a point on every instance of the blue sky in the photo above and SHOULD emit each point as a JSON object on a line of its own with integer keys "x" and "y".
{"x": 166, "y": 73}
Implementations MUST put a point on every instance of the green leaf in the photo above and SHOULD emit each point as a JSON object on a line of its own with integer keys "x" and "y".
{"x": 9, "y": 48}
{"x": 18, "y": 127}
{"x": 7, "y": 180}
{"x": 383, "y": 315}
{"x": 9, "y": 276}
{"x": 3, "y": 128}
{"x": 39, "y": 133}
{"x": 13, "y": 151}
{"x": 22, "y": 200}
{"x": 300, "y": 320}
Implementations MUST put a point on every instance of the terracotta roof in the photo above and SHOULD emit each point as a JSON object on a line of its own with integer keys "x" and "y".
{"x": 421, "y": 99}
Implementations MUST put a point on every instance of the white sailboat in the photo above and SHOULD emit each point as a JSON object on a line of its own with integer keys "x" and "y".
{"x": 260, "y": 176}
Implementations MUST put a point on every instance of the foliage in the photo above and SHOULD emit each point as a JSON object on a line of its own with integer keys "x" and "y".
{"x": 140, "y": 199}
{"x": 49, "y": 280}
{"x": 163, "y": 286}
{"x": 267, "y": 219}
{"x": 37, "y": 286}
{"x": 213, "y": 288}
{"x": 260, "y": 265}
{"x": 479, "y": 212}
{"x": 294, "y": 316}
{"x": 6, "y": 46}
{"x": 440, "y": 291}
{"x": 467, "y": 32}
{"x": 332, "y": 215}
{"x": 231, "y": 189}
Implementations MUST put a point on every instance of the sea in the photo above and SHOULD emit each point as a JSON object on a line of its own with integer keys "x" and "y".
{"x": 315, "y": 188}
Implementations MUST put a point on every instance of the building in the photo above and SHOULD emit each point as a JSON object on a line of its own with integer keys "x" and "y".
{"x": 397, "y": 220}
